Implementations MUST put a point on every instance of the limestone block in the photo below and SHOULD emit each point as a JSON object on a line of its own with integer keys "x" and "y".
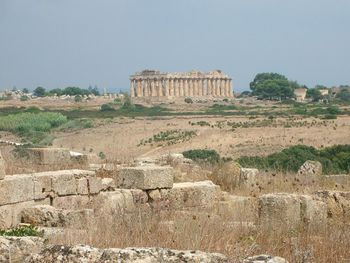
{"x": 42, "y": 185}
{"x": 264, "y": 259}
{"x": 79, "y": 218}
{"x": 16, "y": 188}
{"x": 155, "y": 195}
{"x": 108, "y": 184}
{"x": 83, "y": 253}
{"x": 2, "y": 167}
{"x": 10, "y": 215}
{"x": 16, "y": 249}
{"x": 310, "y": 168}
{"x": 338, "y": 204}
{"x": 248, "y": 176}
{"x": 116, "y": 202}
{"x": 202, "y": 194}
{"x": 238, "y": 208}
{"x": 43, "y": 215}
{"x": 146, "y": 177}
{"x": 139, "y": 196}
{"x": 72, "y": 202}
{"x": 95, "y": 185}
{"x": 313, "y": 212}
{"x": 49, "y": 156}
{"x": 82, "y": 186}
{"x": 64, "y": 184}
{"x": 279, "y": 209}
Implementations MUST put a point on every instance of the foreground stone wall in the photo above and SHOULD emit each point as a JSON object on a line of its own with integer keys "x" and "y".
{"x": 58, "y": 188}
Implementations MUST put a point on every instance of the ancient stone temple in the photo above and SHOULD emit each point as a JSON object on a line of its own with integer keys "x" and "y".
{"x": 153, "y": 83}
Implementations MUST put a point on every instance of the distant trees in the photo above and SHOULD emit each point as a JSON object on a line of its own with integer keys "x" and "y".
{"x": 273, "y": 86}
{"x": 344, "y": 95}
{"x": 314, "y": 94}
{"x": 39, "y": 92}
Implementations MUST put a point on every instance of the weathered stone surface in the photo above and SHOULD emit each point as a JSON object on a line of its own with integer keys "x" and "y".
{"x": 202, "y": 194}
{"x": 108, "y": 184}
{"x": 238, "y": 208}
{"x": 49, "y": 156}
{"x": 42, "y": 185}
{"x": 44, "y": 215}
{"x": 146, "y": 177}
{"x": 72, "y": 202}
{"x": 313, "y": 212}
{"x": 279, "y": 209}
{"x": 64, "y": 184}
{"x": 310, "y": 168}
{"x": 155, "y": 195}
{"x": 78, "y": 219}
{"x": 82, "y": 186}
{"x": 16, "y": 249}
{"x": 16, "y": 188}
{"x": 115, "y": 202}
{"x": 248, "y": 176}
{"x": 95, "y": 185}
{"x": 139, "y": 196}
{"x": 2, "y": 167}
{"x": 264, "y": 259}
{"x": 338, "y": 204}
{"x": 64, "y": 254}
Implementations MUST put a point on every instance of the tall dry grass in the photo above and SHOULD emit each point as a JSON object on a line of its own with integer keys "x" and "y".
{"x": 211, "y": 234}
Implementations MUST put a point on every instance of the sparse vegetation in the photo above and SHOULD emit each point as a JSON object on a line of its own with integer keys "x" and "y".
{"x": 335, "y": 159}
{"x": 206, "y": 155}
{"x": 169, "y": 137}
{"x": 33, "y": 127}
{"x": 22, "y": 231}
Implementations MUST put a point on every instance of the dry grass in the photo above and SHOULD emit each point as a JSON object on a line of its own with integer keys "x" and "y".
{"x": 214, "y": 235}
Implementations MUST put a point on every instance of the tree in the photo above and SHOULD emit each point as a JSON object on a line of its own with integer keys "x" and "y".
{"x": 261, "y": 77}
{"x": 344, "y": 95}
{"x": 25, "y": 91}
{"x": 39, "y": 92}
{"x": 272, "y": 86}
{"x": 314, "y": 94}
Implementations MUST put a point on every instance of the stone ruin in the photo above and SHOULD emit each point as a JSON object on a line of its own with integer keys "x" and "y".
{"x": 153, "y": 83}
{"x": 70, "y": 199}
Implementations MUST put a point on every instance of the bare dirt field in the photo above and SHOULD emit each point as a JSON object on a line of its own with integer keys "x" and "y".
{"x": 119, "y": 138}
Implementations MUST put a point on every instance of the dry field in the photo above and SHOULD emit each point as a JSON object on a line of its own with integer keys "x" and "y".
{"x": 119, "y": 138}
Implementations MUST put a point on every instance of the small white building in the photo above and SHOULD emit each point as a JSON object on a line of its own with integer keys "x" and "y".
{"x": 300, "y": 94}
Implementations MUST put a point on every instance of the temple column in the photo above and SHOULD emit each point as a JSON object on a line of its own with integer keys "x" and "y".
{"x": 140, "y": 91}
{"x": 153, "y": 90}
{"x": 185, "y": 87}
{"x": 204, "y": 93}
{"x": 230, "y": 87}
{"x": 171, "y": 87}
{"x": 160, "y": 89}
{"x": 217, "y": 87}
{"x": 166, "y": 87}
{"x": 213, "y": 90}
{"x": 132, "y": 85}
{"x": 176, "y": 88}
{"x": 223, "y": 87}
{"x": 190, "y": 87}
{"x": 221, "y": 92}
{"x": 200, "y": 89}
{"x": 209, "y": 87}
{"x": 181, "y": 88}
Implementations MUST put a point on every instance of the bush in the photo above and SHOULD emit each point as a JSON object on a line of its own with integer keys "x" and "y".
{"x": 202, "y": 155}
{"x": 78, "y": 98}
{"x": 22, "y": 231}
{"x": 24, "y": 98}
{"x": 30, "y": 125}
{"x": 107, "y": 107}
{"x": 335, "y": 159}
{"x": 188, "y": 100}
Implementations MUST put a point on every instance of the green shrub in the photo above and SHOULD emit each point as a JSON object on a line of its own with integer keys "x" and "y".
{"x": 22, "y": 231}
{"x": 78, "y": 98}
{"x": 107, "y": 107}
{"x": 32, "y": 126}
{"x": 24, "y": 98}
{"x": 202, "y": 155}
{"x": 188, "y": 100}
{"x": 335, "y": 159}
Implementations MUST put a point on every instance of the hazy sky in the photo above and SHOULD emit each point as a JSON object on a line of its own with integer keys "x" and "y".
{"x": 101, "y": 42}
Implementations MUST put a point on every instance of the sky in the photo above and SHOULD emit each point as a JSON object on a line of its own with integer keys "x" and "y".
{"x": 63, "y": 43}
